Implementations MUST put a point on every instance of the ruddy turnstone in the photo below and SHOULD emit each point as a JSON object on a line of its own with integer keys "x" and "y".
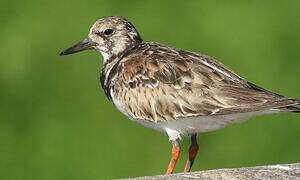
{"x": 171, "y": 90}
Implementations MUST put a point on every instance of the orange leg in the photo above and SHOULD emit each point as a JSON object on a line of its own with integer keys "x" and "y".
{"x": 192, "y": 153}
{"x": 175, "y": 155}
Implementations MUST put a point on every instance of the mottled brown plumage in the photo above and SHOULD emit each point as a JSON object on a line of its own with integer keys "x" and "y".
{"x": 161, "y": 83}
{"x": 172, "y": 90}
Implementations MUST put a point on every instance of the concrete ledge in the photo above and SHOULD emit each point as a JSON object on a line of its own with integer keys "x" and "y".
{"x": 284, "y": 171}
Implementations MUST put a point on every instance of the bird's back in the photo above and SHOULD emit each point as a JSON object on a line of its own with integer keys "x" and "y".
{"x": 159, "y": 83}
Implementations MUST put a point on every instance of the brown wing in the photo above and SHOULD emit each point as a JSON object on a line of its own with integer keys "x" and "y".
{"x": 163, "y": 83}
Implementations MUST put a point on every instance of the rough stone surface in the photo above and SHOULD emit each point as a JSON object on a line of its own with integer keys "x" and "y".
{"x": 283, "y": 171}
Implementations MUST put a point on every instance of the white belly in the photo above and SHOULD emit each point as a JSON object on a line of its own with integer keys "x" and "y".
{"x": 194, "y": 125}
{"x": 191, "y": 125}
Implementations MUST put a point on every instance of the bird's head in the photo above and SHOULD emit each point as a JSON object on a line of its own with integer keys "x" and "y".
{"x": 110, "y": 36}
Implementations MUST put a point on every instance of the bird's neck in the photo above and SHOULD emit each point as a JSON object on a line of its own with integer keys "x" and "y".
{"x": 119, "y": 52}
{"x": 112, "y": 66}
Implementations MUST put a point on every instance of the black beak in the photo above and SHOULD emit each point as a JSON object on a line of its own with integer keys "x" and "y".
{"x": 81, "y": 46}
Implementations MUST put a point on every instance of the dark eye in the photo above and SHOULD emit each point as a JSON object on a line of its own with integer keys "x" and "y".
{"x": 108, "y": 32}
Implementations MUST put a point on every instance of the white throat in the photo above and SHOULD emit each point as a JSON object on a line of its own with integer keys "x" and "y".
{"x": 105, "y": 57}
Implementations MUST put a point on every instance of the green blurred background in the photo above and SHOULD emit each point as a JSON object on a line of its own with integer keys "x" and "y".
{"x": 56, "y": 122}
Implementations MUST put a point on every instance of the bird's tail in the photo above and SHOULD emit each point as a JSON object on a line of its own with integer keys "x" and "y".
{"x": 291, "y": 108}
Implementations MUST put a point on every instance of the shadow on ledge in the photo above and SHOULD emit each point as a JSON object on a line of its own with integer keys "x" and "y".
{"x": 284, "y": 171}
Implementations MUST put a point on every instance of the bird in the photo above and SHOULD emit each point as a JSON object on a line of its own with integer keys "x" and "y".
{"x": 177, "y": 92}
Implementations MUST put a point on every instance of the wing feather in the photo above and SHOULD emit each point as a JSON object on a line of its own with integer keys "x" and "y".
{"x": 162, "y": 83}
